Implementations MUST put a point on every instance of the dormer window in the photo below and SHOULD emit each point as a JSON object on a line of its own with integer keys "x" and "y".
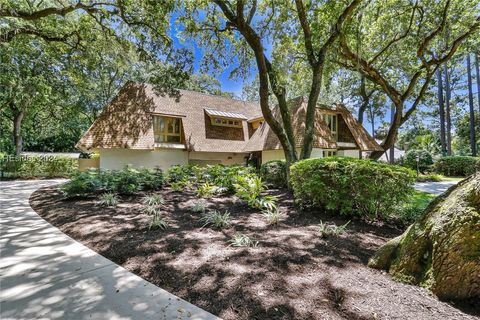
{"x": 226, "y": 122}
{"x": 167, "y": 129}
{"x": 225, "y": 119}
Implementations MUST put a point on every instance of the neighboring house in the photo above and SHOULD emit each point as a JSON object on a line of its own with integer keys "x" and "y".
{"x": 142, "y": 128}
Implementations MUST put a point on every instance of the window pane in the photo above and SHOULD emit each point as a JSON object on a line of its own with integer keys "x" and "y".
{"x": 176, "y": 124}
{"x": 334, "y": 123}
{"x": 173, "y": 138}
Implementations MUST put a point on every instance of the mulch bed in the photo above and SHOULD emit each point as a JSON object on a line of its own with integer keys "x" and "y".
{"x": 292, "y": 274}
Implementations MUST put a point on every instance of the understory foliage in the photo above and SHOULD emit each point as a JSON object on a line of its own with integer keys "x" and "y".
{"x": 242, "y": 240}
{"x": 215, "y": 180}
{"x": 327, "y": 230}
{"x": 458, "y": 166}
{"x": 216, "y": 219}
{"x": 108, "y": 199}
{"x": 353, "y": 187}
{"x": 425, "y": 160}
{"x": 125, "y": 181}
{"x": 38, "y": 166}
{"x": 274, "y": 173}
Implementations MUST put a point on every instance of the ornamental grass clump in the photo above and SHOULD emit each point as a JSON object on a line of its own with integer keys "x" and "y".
{"x": 198, "y": 207}
{"x": 241, "y": 240}
{"x": 272, "y": 216}
{"x": 327, "y": 230}
{"x": 108, "y": 199}
{"x": 153, "y": 200}
{"x": 216, "y": 219}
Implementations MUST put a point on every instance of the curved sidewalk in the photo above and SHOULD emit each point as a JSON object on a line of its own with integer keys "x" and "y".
{"x": 44, "y": 274}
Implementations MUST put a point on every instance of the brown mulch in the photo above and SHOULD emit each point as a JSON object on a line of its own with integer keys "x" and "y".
{"x": 293, "y": 273}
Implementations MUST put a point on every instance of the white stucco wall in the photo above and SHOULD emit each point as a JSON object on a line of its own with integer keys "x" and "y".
{"x": 219, "y": 157}
{"x": 316, "y": 153}
{"x": 114, "y": 159}
{"x": 269, "y": 155}
{"x": 349, "y": 153}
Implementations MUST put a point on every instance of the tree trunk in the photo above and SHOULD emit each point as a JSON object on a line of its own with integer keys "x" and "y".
{"x": 392, "y": 148}
{"x": 447, "y": 113}
{"x": 391, "y": 137}
{"x": 17, "y": 131}
{"x": 473, "y": 143}
{"x": 441, "y": 111}
{"x": 477, "y": 69}
{"x": 441, "y": 250}
{"x": 365, "y": 100}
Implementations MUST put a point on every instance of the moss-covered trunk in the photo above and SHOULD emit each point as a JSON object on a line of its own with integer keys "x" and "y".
{"x": 441, "y": 251}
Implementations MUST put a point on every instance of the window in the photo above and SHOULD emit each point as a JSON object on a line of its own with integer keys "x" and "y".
{"x": 167, "y": 129}
{"x": 226, "y": 122}
{"x": 332, "y": 123}
{"x": 329, "y": 153}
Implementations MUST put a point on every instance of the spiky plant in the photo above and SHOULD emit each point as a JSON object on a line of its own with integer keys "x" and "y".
{"x": 109, "y": 199}
{"x": 216, "y": 219}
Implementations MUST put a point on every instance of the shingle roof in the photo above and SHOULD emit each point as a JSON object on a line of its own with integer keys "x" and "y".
{"x": 265, "y": 139}
{"x": 128, "y": 122}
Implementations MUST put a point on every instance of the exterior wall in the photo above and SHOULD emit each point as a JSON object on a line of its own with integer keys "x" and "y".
{"x": 217, "y": 157}
{"x": 344, "y": 134}
{"x": 349, "y": 153}
{"x": 85, "y": 164}
{"x": 223, "y": 132}
{"x": 114, "y": 159}
{"x": 269, "y": 155}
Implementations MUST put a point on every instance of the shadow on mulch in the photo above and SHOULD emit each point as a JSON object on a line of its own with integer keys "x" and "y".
{"x": 292, "y": 274}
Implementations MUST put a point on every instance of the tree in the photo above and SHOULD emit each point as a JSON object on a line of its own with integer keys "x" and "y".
{"x": 245, "y": 28}
{"x": 441, "y": 109}
{"x": 473, "y": 144}
{"x": 440, "y": 250}
{"x": 477, "y": 69}
{"x": 414, "y": 34}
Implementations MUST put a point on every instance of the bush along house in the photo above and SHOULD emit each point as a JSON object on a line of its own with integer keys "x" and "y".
{"x": 144, "y": 129}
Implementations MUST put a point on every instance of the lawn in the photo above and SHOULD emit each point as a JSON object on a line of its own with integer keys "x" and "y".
{"x": 293, "y": 272}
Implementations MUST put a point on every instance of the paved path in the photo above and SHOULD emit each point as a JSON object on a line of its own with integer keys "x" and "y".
{"x": 435, "y": 187}
{"x": 44, "y": 274}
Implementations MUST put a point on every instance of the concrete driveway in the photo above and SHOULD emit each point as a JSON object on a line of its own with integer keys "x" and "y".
{"x": 44, "y": 274}
{"x": 435, "y": 187}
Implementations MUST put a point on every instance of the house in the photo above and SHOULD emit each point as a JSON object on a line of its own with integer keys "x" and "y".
{"x": 142, "y": 128}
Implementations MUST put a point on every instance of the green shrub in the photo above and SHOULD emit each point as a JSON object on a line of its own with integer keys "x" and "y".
{"x": 274, "y": 173}
{"x": 125, "y": 181}
{"x": 221, "y": 176}
{"x": 458, "y": 166}
{"x": 206, "y": 190}
{"x": 108, "y": 199}
{"x": 82, "y": 184}
{"x": 327, "y": 230}
{"x": 425, "y": 160}
{"x": 241, "y": 240}
{"x": 216, "y": 219}
{"x": 351, "y": 186}
{"x": 38, "y": 166}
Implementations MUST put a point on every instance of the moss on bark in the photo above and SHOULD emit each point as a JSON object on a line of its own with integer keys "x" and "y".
{"x": 441, "y": 251}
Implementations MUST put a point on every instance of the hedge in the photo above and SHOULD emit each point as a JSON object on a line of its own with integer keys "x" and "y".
{"x": 38, "y": 166}
{"x": 460, "y": 166}
{"x": 274, "y": 173}
{"x": 351, "y": 186}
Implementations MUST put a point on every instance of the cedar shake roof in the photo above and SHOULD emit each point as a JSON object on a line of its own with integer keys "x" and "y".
{"x": 128, "y": 123}
{"x": 265, "y": 139}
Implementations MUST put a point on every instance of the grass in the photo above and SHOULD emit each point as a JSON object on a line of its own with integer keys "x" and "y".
{"x": 241, "y": 240}
{"x": 216, "y": 219}
{"x": 455, "y": 179}
{"x": 412, "y": 209}
{"x": 108, "y": 199}
{"x": 327, "y": 230}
